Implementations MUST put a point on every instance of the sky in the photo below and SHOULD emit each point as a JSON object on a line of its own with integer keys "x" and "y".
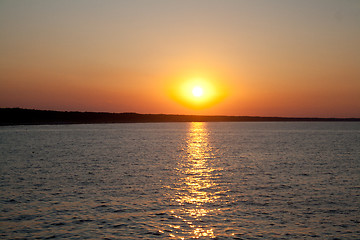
{"x": 253, "y": 58}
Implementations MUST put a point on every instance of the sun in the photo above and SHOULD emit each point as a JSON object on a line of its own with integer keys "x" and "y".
{"x": 197, "y": 91}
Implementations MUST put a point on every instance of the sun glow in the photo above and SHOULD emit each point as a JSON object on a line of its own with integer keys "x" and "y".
{"x": 197, "y": 93}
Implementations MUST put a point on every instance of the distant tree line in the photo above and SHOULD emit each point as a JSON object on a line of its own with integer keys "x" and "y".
{"x": 19, "y": 116}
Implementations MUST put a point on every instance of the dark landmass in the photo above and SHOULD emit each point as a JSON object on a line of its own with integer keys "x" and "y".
{"x": 19, "y": 116}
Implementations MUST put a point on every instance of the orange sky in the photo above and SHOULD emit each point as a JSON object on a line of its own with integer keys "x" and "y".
{"x": 267, "y": 58}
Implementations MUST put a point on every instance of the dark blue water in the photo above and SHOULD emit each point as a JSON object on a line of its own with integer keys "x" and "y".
{"x": 181, "y": 180}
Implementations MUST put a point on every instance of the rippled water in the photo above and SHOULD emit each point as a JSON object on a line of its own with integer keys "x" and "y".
{"x": 181, "y": 180}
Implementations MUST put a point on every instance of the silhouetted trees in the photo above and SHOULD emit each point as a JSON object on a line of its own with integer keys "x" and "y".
{"x": 19, "y": 116}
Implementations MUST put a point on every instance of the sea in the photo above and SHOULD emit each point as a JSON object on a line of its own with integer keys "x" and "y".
{"x": 196, "y": 180}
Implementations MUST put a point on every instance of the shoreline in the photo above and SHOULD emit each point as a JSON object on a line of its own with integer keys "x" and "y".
{"x": 19, "y": 116}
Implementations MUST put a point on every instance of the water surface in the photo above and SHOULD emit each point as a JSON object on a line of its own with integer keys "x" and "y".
{"x": 181, "y": 180}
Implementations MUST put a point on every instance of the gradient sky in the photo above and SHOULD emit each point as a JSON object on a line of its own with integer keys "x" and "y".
{"x": 276, "y": 58}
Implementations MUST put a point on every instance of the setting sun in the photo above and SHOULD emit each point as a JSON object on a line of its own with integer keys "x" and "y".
{"x": 197, "y": 91}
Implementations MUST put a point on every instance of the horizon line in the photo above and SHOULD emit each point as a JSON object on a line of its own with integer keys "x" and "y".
{"x": 185, "y": 115}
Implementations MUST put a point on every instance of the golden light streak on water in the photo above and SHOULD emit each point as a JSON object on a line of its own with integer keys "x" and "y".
{"x": 194, "y": 190}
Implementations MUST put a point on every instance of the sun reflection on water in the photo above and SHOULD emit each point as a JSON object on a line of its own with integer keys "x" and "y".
{"x": 196, "y": 190}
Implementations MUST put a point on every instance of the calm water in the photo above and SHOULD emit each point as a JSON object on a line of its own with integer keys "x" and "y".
{"x": 181, "y": 180}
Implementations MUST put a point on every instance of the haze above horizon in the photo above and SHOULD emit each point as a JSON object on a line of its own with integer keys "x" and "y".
{"x": 236, "y": 58}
